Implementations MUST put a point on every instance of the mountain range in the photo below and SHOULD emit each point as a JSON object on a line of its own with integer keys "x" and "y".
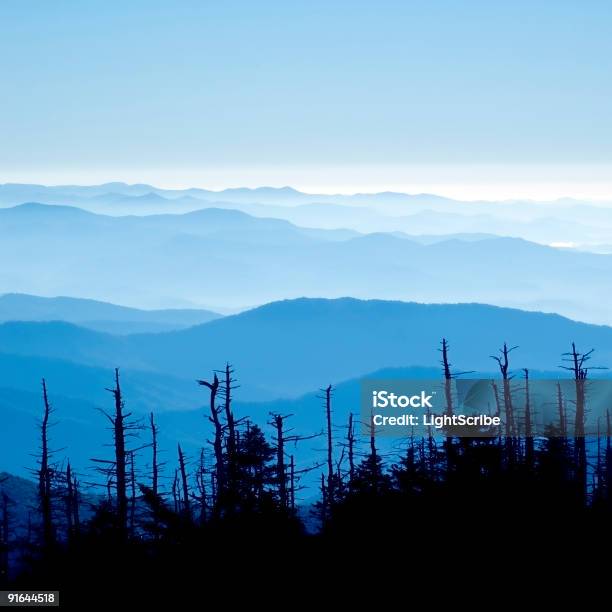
{"x": 417, "y": 268}
{"x": 581, "y": 223}
{"x": 97, "y": 315}
{"x": 287, "y": 348}
{"x": 226, "y": 259}
{"x": 283, "y": 353}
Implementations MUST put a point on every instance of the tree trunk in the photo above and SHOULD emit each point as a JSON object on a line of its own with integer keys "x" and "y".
{"x": 120, "y": 459}
{"x": 184, "y": 483}
{"x": 330, "y": 460}
{"x": 351, "y": 448}
{"x": 529, "y": 446}
{"x": 44, "y": 476}
{"x": 217, "y": 443}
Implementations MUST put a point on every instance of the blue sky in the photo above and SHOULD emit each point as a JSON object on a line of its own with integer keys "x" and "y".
{"x": 251, "y": 92}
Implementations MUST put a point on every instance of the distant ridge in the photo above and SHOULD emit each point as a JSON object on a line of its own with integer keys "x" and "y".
{"x": 97, "y": 315}
{"x": 226, "y": 259}
{"x": 288, "y": 348}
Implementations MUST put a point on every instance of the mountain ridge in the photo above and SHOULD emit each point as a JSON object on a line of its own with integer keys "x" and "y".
{"x": 286, "y": 348}
{"x": 226, "y": 259}
{"x": 97, "y": 315}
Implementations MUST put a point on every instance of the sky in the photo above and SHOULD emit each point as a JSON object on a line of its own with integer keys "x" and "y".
{"x": 467, "y": 98}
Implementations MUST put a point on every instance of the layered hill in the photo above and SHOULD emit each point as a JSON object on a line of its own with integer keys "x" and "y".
{"x": 290, "y": 347}
{"x": 227, "y": 259}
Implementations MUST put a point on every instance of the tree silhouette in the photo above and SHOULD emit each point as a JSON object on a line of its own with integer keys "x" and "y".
{"x": 45, "y": 475}
{"x": 239, "y": 502}
{"x": 116, "y": 470}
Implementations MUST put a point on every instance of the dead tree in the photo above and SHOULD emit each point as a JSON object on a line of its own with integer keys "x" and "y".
{"x": 116, "y": 470}
{"x": 529, "y": 446}
{"x": 350, "y": 441}
{"x": 69, "y": 501}
{"x": 218, "y": 438}
{"x": 496, "y": 397}
{"x": 449, "y": 375}
{"x": 184, "y": 484}
{"x": 495, "y": 389}
{"x": 154, "y": 460}
{"x": 201, "y": 486}
{"x": 118, "y": 421}
{"x": 281, "y": 475}
{"x": 225, "y": 392}
{"x": 292, "y": 484}
{"x": 282, "y": 437}
{"x": 324, "y": 501}
{"x": 76, "y": 505}
{"x": 504, "y": 364}
{"x": 175, "y": 492}
{"x": 577, "y": 366}
{"x": 132, "y": 516}
{"x": 598, "y": 475}
{"x": 373, "y": 460}
{"x": 580, "y": 373}
{"x": 45, "y": 477}
{"x": 561, "y": 412}
{"x": 155, "y": 467}
{"x": 329, "y": 434}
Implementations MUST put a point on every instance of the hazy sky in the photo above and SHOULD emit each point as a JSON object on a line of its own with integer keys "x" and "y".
{"x": 509, "y": 97}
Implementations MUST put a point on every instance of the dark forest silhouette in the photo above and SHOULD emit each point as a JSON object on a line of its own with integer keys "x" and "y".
{"x": 237, "y": 501}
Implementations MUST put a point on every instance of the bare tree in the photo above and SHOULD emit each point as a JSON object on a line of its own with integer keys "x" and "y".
{"x": 281, "y": 438}
{"x": 578, "y": 367}
{"x": 561, "y": 411}
{"x": 350, "y": 441}
{"x": 45, "y": 477}
{"x": 328, "y": 431}
{"x": 281, "y": 475}
{"x": 176, "y": 495}
{"x": 449, "y": 375}
{"x": 132, "y": 481}
{"x": 504, "y": 365}
{"x": 184, "y": 484}
{"x": 154, "y": 459}
{"x": 76, "y": 507}
{"x": 292, "y": 483}
{"x": 118, "y": 422}
{"x": 529, "y": 446}
{"x": 218, "y": 438}
{"x": 202, "y": 496}
{"x": 225, "y": 392}
{"x": 70, "y": 501}
{"x": 116, "y": 470}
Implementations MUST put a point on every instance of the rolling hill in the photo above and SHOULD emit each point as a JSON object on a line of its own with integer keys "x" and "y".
{"x": 283, "y": 352}
{"x": 584, "y": 223}
{"x": 227, "y": 259}
{"x": 285, "y": 349}
{"x": 96, "y": 315}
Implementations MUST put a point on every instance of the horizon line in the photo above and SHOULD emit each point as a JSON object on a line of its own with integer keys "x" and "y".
{"x": 347, "y": 192}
